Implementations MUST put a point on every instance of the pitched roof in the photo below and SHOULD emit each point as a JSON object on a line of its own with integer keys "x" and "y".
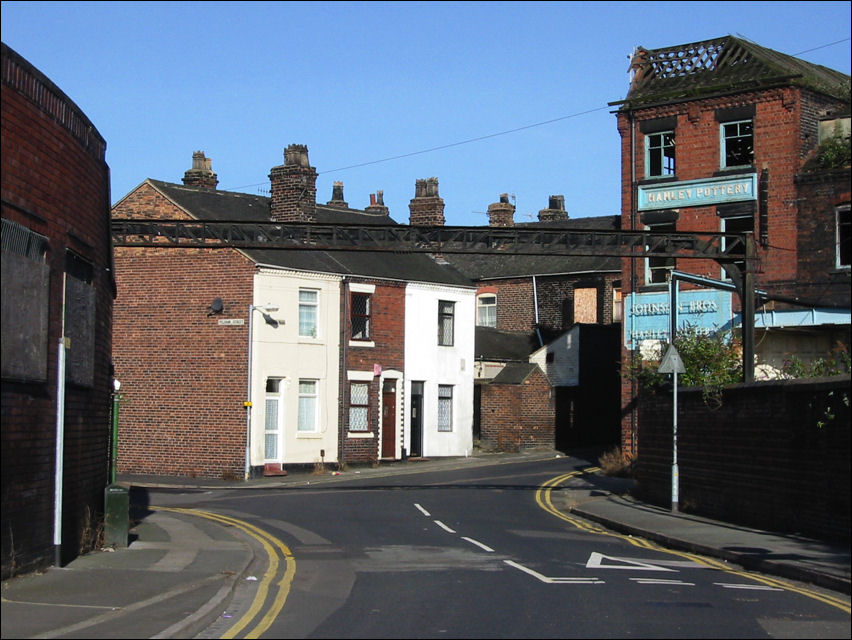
{"x": 214, "y": 205}
{"x": 515, "y": 373}
{"x": 501, "y": 346}
{"x": 723, "y": 66}
{"x": 490, "y": 266}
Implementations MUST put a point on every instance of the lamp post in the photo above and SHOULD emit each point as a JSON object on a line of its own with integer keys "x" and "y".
{"x": 264, "y": 311}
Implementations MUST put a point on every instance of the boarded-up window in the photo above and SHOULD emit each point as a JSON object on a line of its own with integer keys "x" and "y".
{"x": 586, "y": 305}
{"x": 79, "y": 321}
{"x": 26, "y": 286}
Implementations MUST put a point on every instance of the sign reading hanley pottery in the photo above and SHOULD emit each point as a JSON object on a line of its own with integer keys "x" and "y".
{"x": 698, "y": 193}
{"x": 647, "y": 315}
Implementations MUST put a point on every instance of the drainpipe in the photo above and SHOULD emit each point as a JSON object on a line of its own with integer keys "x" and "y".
{"x": 632, "y": 279}
{"x": 247, "y": 403}
{"x": 535, "y": 304}
{"x": 60, "y": 435}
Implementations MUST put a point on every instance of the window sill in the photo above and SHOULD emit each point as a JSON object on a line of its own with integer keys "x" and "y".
{"x": 367, "y": 344}
{"x": 728, "y": 171}
{"x": 657, "y": 179}
{"x": 360, "y": 434}
{"x": 312, "y": 435}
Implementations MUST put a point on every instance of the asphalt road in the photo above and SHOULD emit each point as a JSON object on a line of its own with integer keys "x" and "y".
{"x": 472, "y": 553}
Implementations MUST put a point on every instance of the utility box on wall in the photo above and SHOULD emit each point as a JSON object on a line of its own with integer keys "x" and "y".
{"x": 116, "y": 515}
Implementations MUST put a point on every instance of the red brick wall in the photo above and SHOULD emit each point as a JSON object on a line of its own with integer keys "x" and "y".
{"x": 183, "y": 374}
{"x": 56, "y": 183}
{"x": 818, "y": 277}
{"x": 388, "y": 336}
{"x": 785, "y": 131}
{"x": 762, "y": 459}
{"x": 517, "y": 416}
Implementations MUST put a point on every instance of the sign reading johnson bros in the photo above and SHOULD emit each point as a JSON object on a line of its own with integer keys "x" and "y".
{"x": 648, "y": 315}
{"x": 698, "y": 193}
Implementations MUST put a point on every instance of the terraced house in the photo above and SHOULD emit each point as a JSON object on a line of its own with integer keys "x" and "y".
{"x": 236, "y": 363}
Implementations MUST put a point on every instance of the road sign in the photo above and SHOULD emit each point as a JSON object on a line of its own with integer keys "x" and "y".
{"x": 671, "y": 362}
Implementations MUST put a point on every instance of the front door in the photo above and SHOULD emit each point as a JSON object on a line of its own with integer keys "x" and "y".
{"x": 389, "y": 419}
{"x": 416, "y": 444}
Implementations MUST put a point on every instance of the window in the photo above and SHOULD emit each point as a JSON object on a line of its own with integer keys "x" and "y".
{"x": 359, "y": 410}
{"x": 660, "y": 154}
{"x": 843, "y": 241}
{"x": 272, "y": 430}
{"x": 736, "y": 224}
{"x": 446, "y": 312}
{"x": 486, "y": 310}
{"x": 657, "y": 268}
{"x": 737, "y": 142}
{"x": 617, "y": 302}
{"x": 307, "y": 405}
{"x": 360, "y": 316}
{"x": 308, "y": 303}
{"x": 445, "y": 407}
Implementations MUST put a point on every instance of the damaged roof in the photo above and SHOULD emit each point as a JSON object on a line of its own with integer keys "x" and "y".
{"x": 722, "y": 66}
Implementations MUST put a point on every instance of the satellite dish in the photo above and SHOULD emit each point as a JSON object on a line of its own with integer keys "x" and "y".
{"x": 217, "y": 306}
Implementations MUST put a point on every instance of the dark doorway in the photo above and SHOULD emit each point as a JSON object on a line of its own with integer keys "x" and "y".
{"x": 416, "y": 443}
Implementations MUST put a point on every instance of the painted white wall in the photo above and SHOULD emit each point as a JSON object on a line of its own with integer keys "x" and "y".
{"x": 279, "y": 352}
{"x": 564, "y": 368}
{"x": 427, "y": 362}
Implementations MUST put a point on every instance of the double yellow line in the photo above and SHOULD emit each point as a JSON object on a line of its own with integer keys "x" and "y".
{"x": 275, "y": 549}
{"x": 544, "y": 499}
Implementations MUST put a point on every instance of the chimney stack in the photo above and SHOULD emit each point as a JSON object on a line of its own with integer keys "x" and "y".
{"x": 377, "y": 204}
{"x": 201, "y": 174}
{"x": 426, "y": 208}
{"x": 293, "y": 187}
{"x": 337, "y": 196}
{"x": 555, "y": 210}
{"x": 501, "y": 214}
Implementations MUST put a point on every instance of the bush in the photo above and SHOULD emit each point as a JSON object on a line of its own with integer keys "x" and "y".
{"x": 711, "y": 362}
{"x": 617, "y": 464}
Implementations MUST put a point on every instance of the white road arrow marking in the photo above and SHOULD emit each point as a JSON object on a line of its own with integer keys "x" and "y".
{"x": 596, "y": 562}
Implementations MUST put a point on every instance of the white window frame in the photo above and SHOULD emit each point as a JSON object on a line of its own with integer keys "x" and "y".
{"x": 361, "y": 408}
{"x": 841, "y": 233}
{"x": 486, "y": 312}
{"x": 723, "y": 142}
{"x": 308, "y": 423}
{"x": 309, "y": 306}
{"x": 273, "y": 430}
{"x": 655, "y": 144}
{"x": 443, "y": 319}
{"x": 445, "y": 399}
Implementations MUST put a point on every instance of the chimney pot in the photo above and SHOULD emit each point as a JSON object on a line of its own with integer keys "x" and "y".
{"x": 501, "y": 214}
{"x": 201, "y": 174}
{"x": 293, "y": 187}
{"x": 426, "y": 208}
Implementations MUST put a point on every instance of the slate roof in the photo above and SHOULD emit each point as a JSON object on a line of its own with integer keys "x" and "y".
{"x": 229, "y": 206}
{"x": 514, "y": 373}
{"x": 722, "y": 66}
{"x": 501, "y": 346}
{"x": 488, "y": 266}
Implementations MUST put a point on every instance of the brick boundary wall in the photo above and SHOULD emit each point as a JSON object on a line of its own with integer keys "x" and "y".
{"x": 760, "y": 460}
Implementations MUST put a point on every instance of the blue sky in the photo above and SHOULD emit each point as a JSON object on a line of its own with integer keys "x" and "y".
{"x": 489, "y": 97}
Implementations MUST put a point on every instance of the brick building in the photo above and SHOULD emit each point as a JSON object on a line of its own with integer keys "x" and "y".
{"x": 565, "y": 309}
{"x": 57, "y": 385}
{"x": 717, "y": 136}
{"x": 240, "y": 362}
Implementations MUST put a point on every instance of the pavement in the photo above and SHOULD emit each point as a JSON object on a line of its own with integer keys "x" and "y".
{"x": 179, "y": 572}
